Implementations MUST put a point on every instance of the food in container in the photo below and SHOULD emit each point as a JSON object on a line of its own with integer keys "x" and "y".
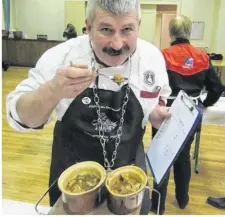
{"x": 82, "y": 183}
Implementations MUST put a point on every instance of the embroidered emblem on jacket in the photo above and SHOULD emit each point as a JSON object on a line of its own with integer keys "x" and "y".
{"x": 149, "y": 78}
{"x": 188, "y": 63}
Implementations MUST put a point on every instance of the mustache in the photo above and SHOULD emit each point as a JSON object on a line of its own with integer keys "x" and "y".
{"x": 112, "y": 52}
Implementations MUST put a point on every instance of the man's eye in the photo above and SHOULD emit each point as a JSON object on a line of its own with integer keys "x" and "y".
{"x": 127, "y": 29}
{"x": 106, "y": 30}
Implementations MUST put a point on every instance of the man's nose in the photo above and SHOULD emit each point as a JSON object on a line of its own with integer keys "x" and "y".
{"x": 117, "y": 42}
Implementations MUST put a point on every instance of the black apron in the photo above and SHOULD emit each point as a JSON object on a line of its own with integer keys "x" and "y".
{"x": 76, "y": 135}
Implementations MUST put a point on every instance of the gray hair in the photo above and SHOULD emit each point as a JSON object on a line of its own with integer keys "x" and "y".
{"x": 180, "y": 27}
{"x": 118, "y": 7}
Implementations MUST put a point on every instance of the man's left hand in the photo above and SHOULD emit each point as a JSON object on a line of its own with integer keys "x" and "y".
{"x": 158, "y": 115}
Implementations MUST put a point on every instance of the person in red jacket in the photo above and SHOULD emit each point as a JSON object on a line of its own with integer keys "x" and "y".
{"x": 189, "y": 69}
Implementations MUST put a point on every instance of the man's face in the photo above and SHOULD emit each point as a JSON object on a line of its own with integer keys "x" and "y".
{"x": 113, "y": 38}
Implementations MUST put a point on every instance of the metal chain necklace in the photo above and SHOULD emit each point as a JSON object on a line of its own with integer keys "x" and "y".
{"x": 109, "y": 164}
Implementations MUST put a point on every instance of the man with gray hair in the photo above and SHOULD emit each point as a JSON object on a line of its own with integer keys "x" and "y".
{"x": 104, "y": 88}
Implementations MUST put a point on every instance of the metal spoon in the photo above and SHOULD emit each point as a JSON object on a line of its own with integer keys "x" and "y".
{"x": 106, "y": 76}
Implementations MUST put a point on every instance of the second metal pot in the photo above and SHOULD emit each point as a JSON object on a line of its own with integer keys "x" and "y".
{"x": 130, "y": 203}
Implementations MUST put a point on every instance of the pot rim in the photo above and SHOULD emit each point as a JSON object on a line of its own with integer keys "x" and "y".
{"x": 131, "y": 194}
{"x": 70, "y": 169}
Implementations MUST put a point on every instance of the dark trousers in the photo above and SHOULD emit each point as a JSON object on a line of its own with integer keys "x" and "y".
{"x": 182, "y": 177}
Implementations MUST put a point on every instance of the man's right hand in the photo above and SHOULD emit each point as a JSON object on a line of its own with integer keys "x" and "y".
{"x": 71, "y": 81}
{"x": 35, "y": 107}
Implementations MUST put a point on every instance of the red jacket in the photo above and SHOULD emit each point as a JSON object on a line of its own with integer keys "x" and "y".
{"x": 190, "y": 69}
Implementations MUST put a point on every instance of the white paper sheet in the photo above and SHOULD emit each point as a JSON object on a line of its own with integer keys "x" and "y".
{"x": 171, "y": 136}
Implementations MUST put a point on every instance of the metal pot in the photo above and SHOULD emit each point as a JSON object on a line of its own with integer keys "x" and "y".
{"x": 120, "y": 204}
{"x": 82, "y": 203}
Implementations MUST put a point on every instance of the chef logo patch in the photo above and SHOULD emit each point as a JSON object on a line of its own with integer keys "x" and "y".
{"x": 149, "y": 78}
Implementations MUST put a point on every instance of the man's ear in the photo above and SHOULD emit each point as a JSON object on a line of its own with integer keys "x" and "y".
{"x": 88, "y": 26}
{"x": 139, "y": 23}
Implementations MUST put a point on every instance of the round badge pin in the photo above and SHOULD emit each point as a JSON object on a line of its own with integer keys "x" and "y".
{"x": 86, "y": 100}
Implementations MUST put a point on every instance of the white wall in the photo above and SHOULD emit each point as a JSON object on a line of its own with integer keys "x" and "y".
{"x": 40, "y": 17}
{"x": 218, "y": 33}
{"x": 75, "y": 13}
{"x": 3, "y": 21}
{"x": 148, "y": 23}
{"x": 47, "y": 17}
{"x": 196, "y": 10}
{"x": 200, "y": 10}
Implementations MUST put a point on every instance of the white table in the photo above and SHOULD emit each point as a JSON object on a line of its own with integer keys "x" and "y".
{"x": 12, "y": 207}
{"x": 215, "y": 115}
